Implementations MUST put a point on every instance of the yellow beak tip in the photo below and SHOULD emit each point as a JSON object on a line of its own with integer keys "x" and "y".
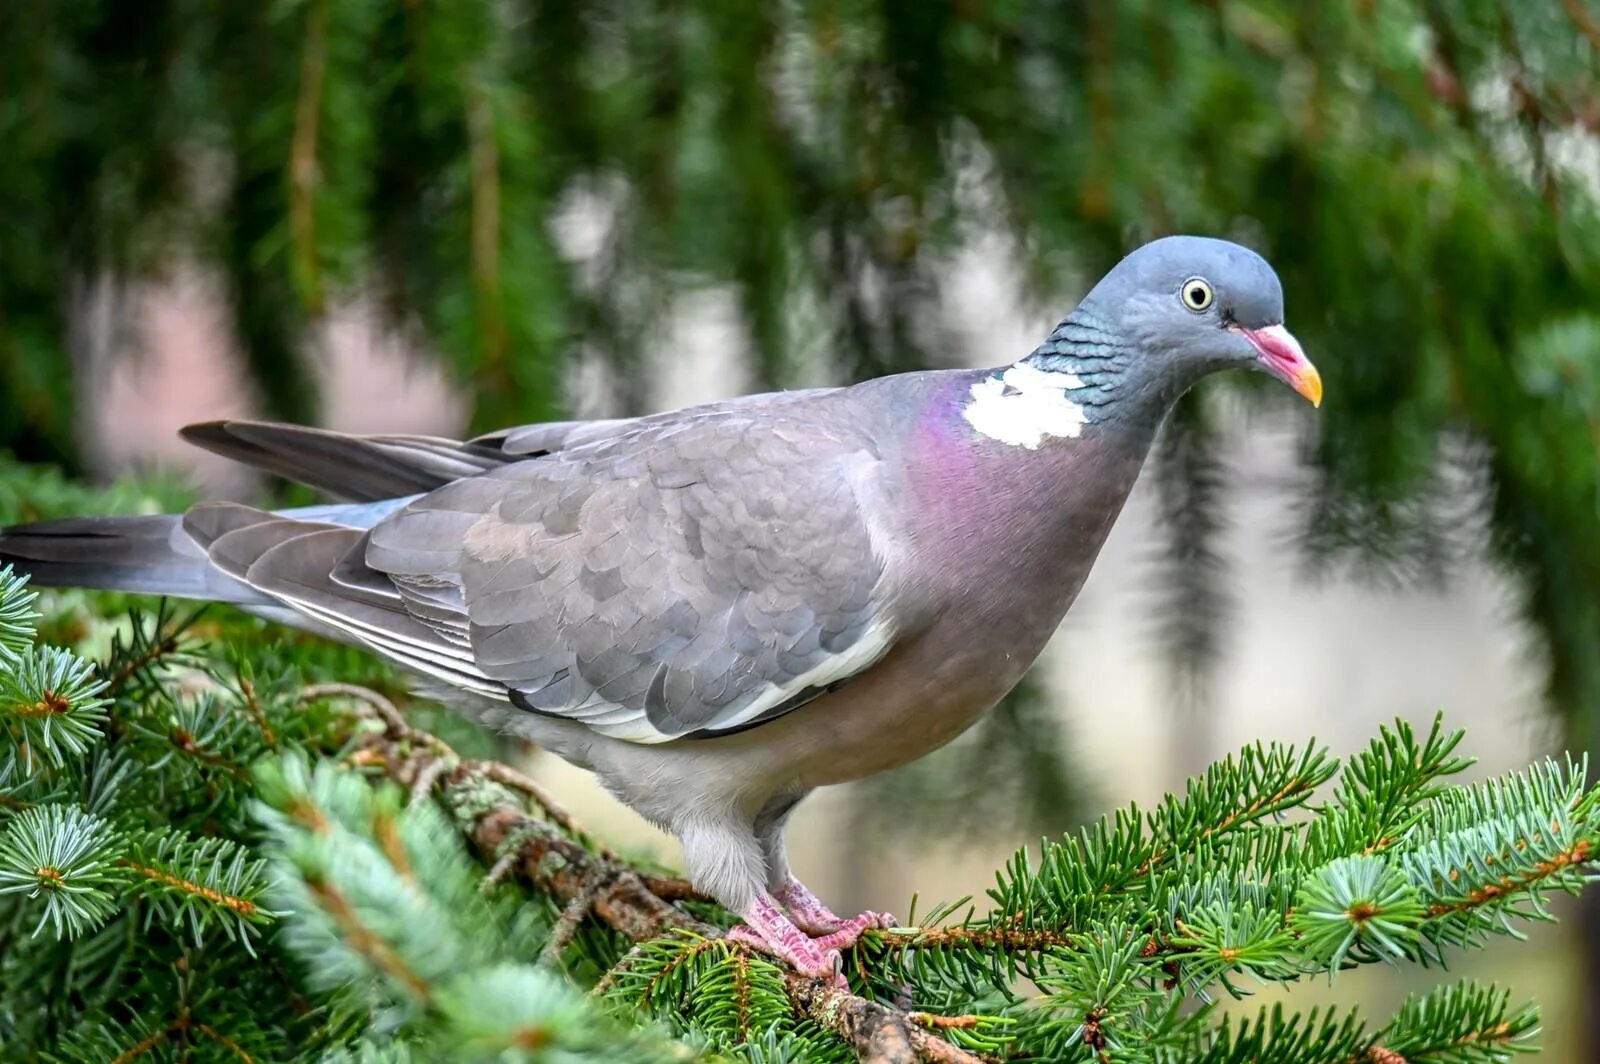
{"x": 1310, "y": 386}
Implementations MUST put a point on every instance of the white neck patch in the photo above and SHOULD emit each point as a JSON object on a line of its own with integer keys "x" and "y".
{"x": 1024, "y": 406}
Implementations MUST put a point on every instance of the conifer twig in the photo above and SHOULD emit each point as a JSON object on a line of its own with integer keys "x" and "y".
{"x": 1010, "y": 939}
{"x": 626, "y": 961}
{"x": 879, "y": 1033}
{"x": 423, "y": 781}
{"x": 503, "y": 773}
{"x": 385, "y": 709}
{"x": 620, "y": 896}
{"x": 431, "y": 773}
{"x": 567, "y": 924}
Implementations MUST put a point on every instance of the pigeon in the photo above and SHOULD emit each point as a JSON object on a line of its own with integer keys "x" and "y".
{"x": 721, "y": 608}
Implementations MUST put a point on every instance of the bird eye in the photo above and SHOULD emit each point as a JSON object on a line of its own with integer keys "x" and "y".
{"x": 1197, "y": 295}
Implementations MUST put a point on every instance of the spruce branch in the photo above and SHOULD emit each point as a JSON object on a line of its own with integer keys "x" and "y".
{"x": 51, "y": 704}
{"x": 190, "y": 1026}
{"x": 1357, "y": 903}
{"x": 150, "y": 644}
{"x": 1384, "y": 789}
{"x": 203, "y": 883}
{"x": 17, "y": 611}
{"x": 199, "y": 730}
{"x": 21, "y": 788}
{"x": 66, "y": 858}
{"x": 495, "y": 822}
{"x": 1258, "y": 783}
{"x": 1483, "y": 854}
{"x": 1459, "y": 1024}
{"x": 1425, "y": 865}
{"x": 384, "y": 894}
{"x": 879, "y": 1033}
{"x": 396, "y": 726}
{"x": 252, "y": 704}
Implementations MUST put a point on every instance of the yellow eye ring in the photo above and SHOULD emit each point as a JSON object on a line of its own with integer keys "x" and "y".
{"x": 1197, "y": 295}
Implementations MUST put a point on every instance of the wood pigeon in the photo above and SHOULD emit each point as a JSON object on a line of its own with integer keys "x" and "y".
{"x": 721, "y": 608}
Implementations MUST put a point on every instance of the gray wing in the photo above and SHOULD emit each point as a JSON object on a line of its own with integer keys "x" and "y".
{"x": 346, "y": 466}
{"x": 550, "y": 436}
{"x": 689, "y": 576}
{"x": 372, "y": 468}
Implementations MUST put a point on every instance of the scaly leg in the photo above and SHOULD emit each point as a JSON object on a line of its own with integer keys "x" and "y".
{"x": 724, "y": 860}
{"x": 807, "y": 912}
{"x": 768, "y": 930}
{"x": 810, "y": 915}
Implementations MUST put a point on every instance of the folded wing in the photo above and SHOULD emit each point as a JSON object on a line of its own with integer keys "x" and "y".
{"x": 676, "y": 576}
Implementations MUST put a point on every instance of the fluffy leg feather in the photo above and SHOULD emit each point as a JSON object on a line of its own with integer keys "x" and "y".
{"x": 725, "y": 859}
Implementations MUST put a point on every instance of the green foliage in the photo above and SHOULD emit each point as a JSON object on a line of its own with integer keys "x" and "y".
{"x": 177, "y": 880}
{"x": 1139, "y": 914}
{"x": 50, "y": 699}
{"x": 1459, "y": 1024}
{"x": 1361, "y": 903}
{"x": 397, "y": 925}
{"x": 62, "y": 857}
{"x": 208, "y": 865}
{"x": 223, "y": 886}
{"x": 132, "y": 905}
{"x": 722, "y": 993}
{"x": 17, "y": 612}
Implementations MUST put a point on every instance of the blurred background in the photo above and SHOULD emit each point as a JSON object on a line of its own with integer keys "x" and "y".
{"x": 415, "y": 216}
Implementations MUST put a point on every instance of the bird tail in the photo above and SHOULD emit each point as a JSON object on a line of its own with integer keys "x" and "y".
{"x": 160, "y": 554}
{"x": 147, "y": 554}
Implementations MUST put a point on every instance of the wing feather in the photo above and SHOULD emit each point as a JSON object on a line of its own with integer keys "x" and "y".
{"x": 686, "y": 577}
{"x": 359, "y": 468}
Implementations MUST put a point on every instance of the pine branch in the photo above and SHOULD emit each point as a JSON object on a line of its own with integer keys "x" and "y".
{"x": 64, "y": 857}
{"x": 1458, "y": 1024}
{"x": 50, "y": 704}
{"x": 152, "y": 642}
{"x": 619, "y": 897}
{"x": 204, "y": 883}
{"x": 17, "y": 611}
{"x": 879, "y": 1033}
{"x": 1357, "y": 903}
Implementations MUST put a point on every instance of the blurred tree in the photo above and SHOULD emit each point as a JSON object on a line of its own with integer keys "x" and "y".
{"x": 1422, "y": 172}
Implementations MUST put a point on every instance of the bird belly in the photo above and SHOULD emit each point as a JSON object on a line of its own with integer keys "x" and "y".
{"x": 920, "y": 697}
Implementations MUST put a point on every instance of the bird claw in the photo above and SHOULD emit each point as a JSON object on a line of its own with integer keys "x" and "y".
{"x": 804, "y": 955}
{"x": 849, "y": 931}
{"x": 815, "y": 918}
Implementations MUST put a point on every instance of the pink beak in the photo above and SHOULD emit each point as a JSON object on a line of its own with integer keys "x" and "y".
{"x": 1279, "y": 352}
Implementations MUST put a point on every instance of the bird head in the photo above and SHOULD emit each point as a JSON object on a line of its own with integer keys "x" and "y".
{"x": 1191, "y": 305}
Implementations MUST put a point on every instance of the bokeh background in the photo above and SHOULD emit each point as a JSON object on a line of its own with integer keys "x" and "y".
{"x": 417, "y": 216}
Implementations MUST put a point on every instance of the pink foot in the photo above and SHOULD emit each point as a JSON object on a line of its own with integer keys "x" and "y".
{"x": 768, "y": 930}
{"x": 810, "y": 915}
{"x": 850, "y": 930}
